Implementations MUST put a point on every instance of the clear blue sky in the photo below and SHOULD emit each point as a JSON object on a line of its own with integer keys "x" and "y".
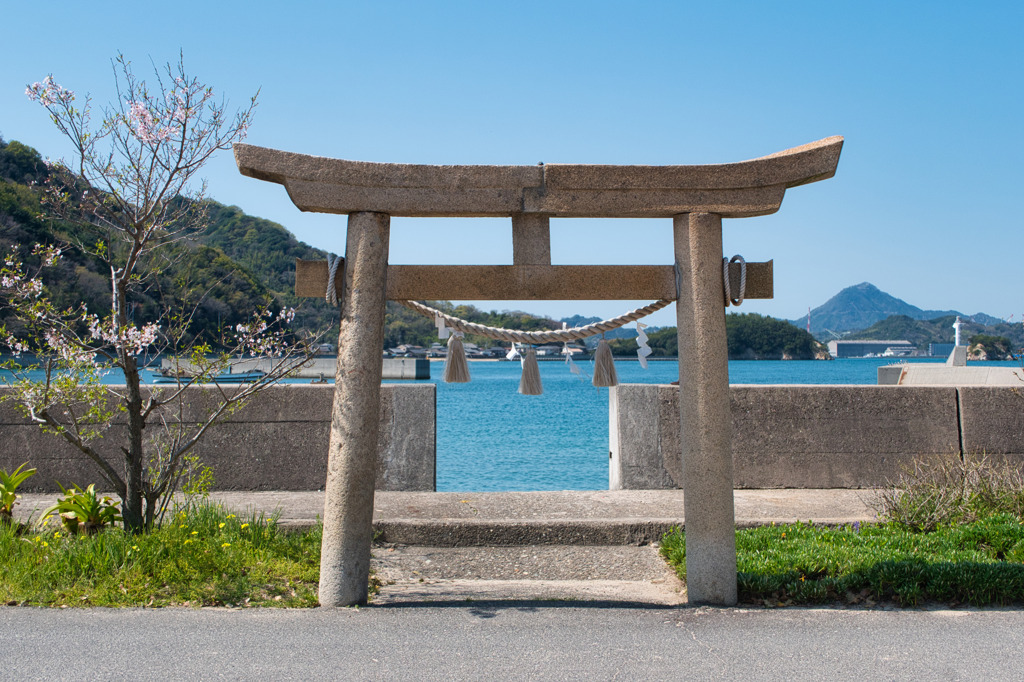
{"x": 926, "y": 203}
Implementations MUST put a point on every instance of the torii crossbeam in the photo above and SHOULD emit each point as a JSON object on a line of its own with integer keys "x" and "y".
{"x": 696, "y": 198}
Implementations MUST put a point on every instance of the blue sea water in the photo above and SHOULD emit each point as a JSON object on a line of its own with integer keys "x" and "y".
{"x": 491, "y": 438}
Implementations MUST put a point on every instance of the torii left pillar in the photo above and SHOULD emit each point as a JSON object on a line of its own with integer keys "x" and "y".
{"x": 352, "y": 458}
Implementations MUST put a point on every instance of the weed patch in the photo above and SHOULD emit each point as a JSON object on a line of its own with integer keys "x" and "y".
{"x": 205, "y": 556}
{"x": 947, "y": 490}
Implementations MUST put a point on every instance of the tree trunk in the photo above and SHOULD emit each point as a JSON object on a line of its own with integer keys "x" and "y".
{"x": 132, "y": 512}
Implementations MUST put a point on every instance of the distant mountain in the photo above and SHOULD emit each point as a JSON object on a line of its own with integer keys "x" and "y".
{"x": 626, "y": 332}
{"x": 858, "y": 307}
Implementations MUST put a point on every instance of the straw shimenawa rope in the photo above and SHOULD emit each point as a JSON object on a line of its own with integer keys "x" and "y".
{"x": 560, "y": 336}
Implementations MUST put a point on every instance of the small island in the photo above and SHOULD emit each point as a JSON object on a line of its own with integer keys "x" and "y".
{"x": 750, "y": 337}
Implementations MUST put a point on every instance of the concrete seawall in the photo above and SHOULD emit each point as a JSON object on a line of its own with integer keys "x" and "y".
{"x": 276, "y": 442}
{"x": 783, "y": 436}
{"x": 815, "y": 436}
{"x": 315, "y": 368}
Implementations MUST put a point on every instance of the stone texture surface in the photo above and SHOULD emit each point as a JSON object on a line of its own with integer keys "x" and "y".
{"x": 548, "y": 562}
{"x": 277, "y": 442}
{"x": 355, "y": 415}
{"x": 705, "y": 435}
{"x": 605, "y": 573}
{"x": 531, "y": 239}
{"x": 803, "y": 436}
{"x": 837, "y": 436}
{"x": 637, "y": 458}
{"x": 432, "y": 519}
{"x": 993, "y": 422}
{"x": 489, "y": 595}
{"x": 929, "y": 374}
{"x": 532, "y": 282}
{"x": 741, "y": 189}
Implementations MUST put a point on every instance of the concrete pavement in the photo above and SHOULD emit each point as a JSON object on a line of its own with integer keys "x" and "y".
{"x": 511, "y": 640}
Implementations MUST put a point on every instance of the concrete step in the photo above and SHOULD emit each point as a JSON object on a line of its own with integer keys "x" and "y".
{"x": 602, "y": 517}
{"x": 620, "y": 574}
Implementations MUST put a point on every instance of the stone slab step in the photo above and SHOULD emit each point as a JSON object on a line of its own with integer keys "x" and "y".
{"x": 597, "y": 517}
{"x": 621, "y": 574}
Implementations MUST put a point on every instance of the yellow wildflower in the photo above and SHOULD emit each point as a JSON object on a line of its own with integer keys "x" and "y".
{"x": 221, "y": 525}
{"x": 245, "y": 525}
{"x": 226, "y": 544}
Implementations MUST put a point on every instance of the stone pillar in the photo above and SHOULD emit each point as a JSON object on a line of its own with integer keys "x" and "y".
{"x": 704, "y": 410}
{"x": 531, "y": 239}
{"x": 352, "y": 456}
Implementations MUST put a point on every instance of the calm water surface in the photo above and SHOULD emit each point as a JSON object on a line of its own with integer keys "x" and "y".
{"x": 490, "y": 438}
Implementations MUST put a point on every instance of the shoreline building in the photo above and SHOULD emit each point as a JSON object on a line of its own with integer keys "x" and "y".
{"x": 866, "y": 348}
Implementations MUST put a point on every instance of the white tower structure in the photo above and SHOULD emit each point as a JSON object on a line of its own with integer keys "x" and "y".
{"x": 956, "y": 327}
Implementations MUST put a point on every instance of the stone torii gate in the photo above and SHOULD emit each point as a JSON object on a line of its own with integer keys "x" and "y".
{"x": 696, "y": 198}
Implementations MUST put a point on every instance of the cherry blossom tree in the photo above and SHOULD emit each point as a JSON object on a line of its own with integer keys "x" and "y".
{"x": 132, "y": 192}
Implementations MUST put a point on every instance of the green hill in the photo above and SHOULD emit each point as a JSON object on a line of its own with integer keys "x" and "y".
{"x": 938, "y": 330}
{"x": 187, "y": 275}
{"x": 234, "y": 265}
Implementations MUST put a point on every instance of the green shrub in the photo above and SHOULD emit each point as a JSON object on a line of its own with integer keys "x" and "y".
{"x": 9, "y": 491}
{"x": 84, "y": 511}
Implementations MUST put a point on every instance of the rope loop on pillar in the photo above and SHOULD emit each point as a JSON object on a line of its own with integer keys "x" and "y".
{"x": 726, "y": 262}
{"x": 333, "y": 263}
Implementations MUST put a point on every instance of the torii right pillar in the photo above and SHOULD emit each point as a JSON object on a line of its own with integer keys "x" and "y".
{"x": 705, "y": 415}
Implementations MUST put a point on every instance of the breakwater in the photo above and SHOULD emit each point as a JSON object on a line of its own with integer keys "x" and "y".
{"x": 320, "y": 368}
{"x": 817, "y": 436}
{"x": 783, "y": 436}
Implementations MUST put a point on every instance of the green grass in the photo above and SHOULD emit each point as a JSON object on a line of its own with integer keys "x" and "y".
{"x": 207, "y": 557}
{"x": 979, "y": 563}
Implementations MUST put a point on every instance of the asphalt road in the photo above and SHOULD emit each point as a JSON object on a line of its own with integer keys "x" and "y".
{"x": 511, "y": 640}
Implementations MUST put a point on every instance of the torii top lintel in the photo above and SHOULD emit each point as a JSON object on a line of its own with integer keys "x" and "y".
{"x": 732, "y": 190}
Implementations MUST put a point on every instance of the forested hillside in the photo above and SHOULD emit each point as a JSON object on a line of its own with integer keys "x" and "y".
{"x": 938, "y": 330}
{"x": 235, "y": 264}
{"x": 187, "y": 275}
